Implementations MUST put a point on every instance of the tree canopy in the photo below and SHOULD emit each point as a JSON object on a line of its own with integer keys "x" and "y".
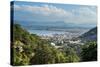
{"x": 31, "y": 49}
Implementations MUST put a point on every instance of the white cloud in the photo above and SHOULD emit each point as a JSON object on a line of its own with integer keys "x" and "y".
{"x": 45, "y": 9}
{"x": 52, "y": 13}
{"x": 84, "y": 15}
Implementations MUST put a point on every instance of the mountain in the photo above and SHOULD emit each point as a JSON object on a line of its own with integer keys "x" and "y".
{"x": 91, "y": 35}
{"x": 31, "y": 25}
{"x": 29, "y": 49}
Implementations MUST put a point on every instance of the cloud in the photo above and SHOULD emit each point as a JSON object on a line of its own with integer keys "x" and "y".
{"x": 84, "y": 15}
{"x": 45, "y": 12}
{"x": 45, "y": 9}
{"x": 48, "y": 13}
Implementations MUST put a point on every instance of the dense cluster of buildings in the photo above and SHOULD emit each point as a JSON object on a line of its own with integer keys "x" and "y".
{"x": 58, "y": 40}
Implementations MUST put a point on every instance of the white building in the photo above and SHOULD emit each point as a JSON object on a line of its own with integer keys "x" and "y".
{"x": 75, "y": 42}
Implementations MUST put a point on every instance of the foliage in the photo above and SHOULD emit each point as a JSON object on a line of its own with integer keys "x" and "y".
{"x": 89, "y": 51}
{"x": 19, "y": 57}
{"x": 23, "y": 45}
{"x": 91, "y": 35}
{"x": 47, "y": 54}
{"x": 31, "y": 49}
{"x": 71, "y": 55}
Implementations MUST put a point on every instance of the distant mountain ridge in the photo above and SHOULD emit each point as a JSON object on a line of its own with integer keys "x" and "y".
{"x": 50, "y": 25}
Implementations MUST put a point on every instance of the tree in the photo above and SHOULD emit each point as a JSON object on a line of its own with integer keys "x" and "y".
{"x": 60, "y": 57}
{"x": 22, "y": 46}
{"x": 43, "y": 55}
{"x": 19, "y": 57}
{"x": 71, "y": 55}
{"x": 47, "y": 54}
{"x": 89, "y": 51}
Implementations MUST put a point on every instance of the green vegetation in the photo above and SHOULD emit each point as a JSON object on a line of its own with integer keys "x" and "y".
{"x": 71, "y": 55}
{"x": 30, "y": 49}
{"x": 91, "y": 35}
{"x": 89, "y": 51}
{"x": 46, "y": 54}
{"x": 23, "y": 45}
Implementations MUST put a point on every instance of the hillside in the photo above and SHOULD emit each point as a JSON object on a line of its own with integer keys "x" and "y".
{"x": 90, "y": 35}
{"x": 23, "y": 45}
{"x": 27, "y": 49}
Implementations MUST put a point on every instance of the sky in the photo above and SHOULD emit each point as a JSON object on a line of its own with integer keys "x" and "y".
{"x": 50, "y": 12}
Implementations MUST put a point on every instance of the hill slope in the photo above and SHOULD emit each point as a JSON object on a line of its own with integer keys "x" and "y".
{"x": 91, "y": 35}
{"x": 31, "y": 49}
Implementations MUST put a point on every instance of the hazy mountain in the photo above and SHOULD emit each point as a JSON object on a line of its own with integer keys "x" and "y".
{"x": 90, "y": 35}
{"x": 52, "y": 25}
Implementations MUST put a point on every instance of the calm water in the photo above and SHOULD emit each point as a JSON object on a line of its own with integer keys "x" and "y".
{"x": 50, "y": 32}
{"x": 46, "y": 32}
